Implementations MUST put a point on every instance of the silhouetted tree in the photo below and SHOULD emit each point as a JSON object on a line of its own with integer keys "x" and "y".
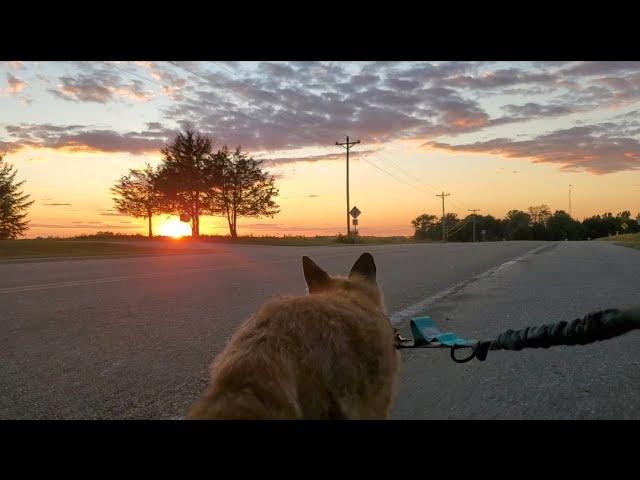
{"x": 517, "y": 225}
{"x": 137, "y": 195}
{"x": 539, "y": 214}
{"x": 538, "y": 224}
{"x": 13, "y": 203}
{"x": 187, "y": 174}
{"x": 422, "y": 225}
{"x": 562, "y": 227}
{"x": 451, "y": 222}
{"x": 242, "y": 189}
{"x": 493, "y": 228}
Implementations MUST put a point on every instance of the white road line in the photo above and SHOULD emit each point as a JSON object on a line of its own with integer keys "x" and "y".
{"x": 135, "y": 276}
{"x": 418, "y": 308}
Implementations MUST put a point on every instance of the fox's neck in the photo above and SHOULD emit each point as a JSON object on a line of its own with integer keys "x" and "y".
{"x": 361, "y": 300}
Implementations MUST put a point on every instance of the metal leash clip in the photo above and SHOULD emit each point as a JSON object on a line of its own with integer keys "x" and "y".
{"x": 426, "y": 334}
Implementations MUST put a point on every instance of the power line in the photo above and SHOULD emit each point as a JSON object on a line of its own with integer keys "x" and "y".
{"x": 458, "y": 227}
{"x": 283, "y": 112}
{"x": 237, "y": 94}
{"x": 297, "y": 117}
{"x": 233, "y": 93}
{"x": 292, "y": 114}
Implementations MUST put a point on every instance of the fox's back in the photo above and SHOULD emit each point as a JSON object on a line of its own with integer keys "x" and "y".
{"x": 329, "y": 354}
{"x": 320, "y": 352}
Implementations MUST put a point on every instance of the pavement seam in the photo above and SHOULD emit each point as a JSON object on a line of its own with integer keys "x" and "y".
{"x": 407, "y": 313}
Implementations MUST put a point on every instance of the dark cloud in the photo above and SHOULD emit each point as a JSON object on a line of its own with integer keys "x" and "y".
{"x": 81, "y": 225}
{"x": 598, "y": 149}
{"x": 601, "y": 68}
{"x": 531, "y": 111}
{"x": 354, "y": 154}
{"x": 15, "y": 85}
{"x": 280, "y": 106}
{"x": 306, "y": 103}
{"x": 172, "y": 83}
{"x": 99, "y": 85}
{"x": 364, "y": 80}
{"x": 82, "y": 89}
{"x": 275, "y": 118}
{"x": 500, "y": 78}
{"x": 76, "y": 137}
{"x": 280, "y": 70}
{"x": 111, "y": 213}
{"x": 56, "y": 204}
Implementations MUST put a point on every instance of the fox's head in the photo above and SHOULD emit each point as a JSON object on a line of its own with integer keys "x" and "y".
{"x": 361, "y": 279}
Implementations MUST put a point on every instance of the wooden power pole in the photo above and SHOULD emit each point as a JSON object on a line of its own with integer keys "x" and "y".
{"x": 444, "y": 228}
{"x": 474, "y": 210}
{"x": 347, "y": 145}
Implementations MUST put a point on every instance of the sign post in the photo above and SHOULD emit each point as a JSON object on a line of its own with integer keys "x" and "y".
{"x": 355, "y": 213}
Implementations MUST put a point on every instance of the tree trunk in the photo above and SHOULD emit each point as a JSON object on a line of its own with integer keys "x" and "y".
{"x": 150, "y": 228}
{"x": 229, "y": 220}
{"x": 234, "y": 233}
{"x": 195, "y": 226}
{"x": 196, "y": 232}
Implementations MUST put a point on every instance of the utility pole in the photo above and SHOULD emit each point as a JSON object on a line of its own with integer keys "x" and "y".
{"x": 570, "y": 199}
{"x": 347, "y": 145}
{"x": 474, "y": 210}
{"x": 444, "y": 228}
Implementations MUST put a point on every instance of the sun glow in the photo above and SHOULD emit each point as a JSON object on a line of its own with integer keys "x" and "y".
{"x": 175, "y": 228}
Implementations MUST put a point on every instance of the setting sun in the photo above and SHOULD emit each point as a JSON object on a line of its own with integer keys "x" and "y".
{"x": 175, "y": 228}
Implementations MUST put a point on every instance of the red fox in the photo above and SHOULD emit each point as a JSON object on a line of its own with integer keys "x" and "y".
{"x": 327, "y": 355}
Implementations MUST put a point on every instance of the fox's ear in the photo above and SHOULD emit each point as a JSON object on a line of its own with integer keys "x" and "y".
{"x": 365, "y": 267}
{"x": 315, "y": 277}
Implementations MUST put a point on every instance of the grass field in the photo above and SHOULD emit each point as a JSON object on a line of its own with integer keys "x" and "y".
{"x": 53, "y": 248}
{"x": 309, "y": 241}
{"x": 629, "y": 240}
{"x": 123, "y": 247}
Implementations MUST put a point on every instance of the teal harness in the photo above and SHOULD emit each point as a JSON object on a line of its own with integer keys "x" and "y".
{"x": 426, "y": 334}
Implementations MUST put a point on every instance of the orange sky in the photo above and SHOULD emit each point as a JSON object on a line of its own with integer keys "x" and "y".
{"x": 72, "y": 130}
{"x": 312, "y": 194}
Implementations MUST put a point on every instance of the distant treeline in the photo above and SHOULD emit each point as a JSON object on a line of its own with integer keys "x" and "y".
{"x": 538, "y": 223}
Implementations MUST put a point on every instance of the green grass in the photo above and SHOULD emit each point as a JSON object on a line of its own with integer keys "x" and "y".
{"x": 135, "y": 246}
{"x": 53, "y": 248}
{"x": 627, "y": 240}
{"x": 301, "y": 241}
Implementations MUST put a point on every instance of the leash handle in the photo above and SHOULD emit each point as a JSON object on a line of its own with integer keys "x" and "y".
{"x": 465, "y": 359}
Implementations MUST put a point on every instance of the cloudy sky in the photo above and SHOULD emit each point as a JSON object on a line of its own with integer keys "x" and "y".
{"x": 495, "y": 135}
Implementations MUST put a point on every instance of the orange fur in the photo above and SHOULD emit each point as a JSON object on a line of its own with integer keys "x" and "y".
{"x": 326, "y": 355}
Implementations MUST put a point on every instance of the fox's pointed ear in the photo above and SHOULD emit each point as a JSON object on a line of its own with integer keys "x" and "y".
{"x": 365, "y": 266}
{"x": 314, "y": 275}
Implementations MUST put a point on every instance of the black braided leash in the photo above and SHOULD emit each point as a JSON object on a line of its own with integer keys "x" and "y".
{"x": 591, "y": 328}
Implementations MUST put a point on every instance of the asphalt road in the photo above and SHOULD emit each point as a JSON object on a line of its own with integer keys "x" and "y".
{"x": 133, "y": 337}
